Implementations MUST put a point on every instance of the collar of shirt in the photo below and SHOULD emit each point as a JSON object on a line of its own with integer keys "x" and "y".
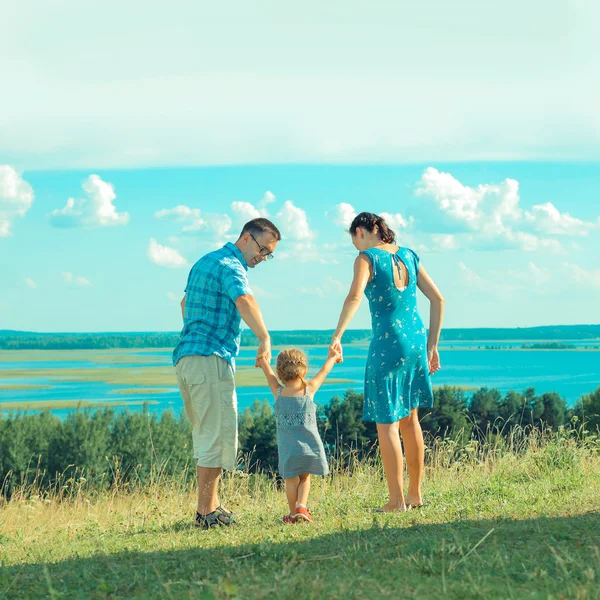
{"x": 237, "y": 253}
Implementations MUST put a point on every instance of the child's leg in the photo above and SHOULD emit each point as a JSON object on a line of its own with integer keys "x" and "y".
{"x": 291, "y": 491}
{"x": 303, "y": 489}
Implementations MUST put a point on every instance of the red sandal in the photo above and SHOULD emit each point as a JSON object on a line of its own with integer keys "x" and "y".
{"x": 303, "y": 514}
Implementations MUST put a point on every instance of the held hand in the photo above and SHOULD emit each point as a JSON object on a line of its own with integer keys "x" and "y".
{"x": 433, "y": 358}
{"x": 335, "y": 349}
{"x": 261, "y": 362}
{"x": 263, "y": 352}
{"x": 335, "y": 353}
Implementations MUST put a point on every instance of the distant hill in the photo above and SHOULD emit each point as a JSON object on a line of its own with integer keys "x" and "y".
{"x": 19, "y": 340}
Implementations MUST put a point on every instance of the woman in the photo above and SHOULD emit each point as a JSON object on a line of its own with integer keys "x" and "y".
{"x": 401, "y": 357}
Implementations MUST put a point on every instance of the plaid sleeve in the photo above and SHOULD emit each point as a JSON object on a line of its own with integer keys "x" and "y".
{"x": 235, "y": 282}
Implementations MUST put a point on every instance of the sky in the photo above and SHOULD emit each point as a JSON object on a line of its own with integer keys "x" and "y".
{"x": 133, "y": 141}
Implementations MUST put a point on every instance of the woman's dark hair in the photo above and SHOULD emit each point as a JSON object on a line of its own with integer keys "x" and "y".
{"x": 261, "y": 225}
{"x": 368, "y": 221}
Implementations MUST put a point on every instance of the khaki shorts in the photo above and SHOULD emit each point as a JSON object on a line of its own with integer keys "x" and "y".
{"x": 208, "y": 390}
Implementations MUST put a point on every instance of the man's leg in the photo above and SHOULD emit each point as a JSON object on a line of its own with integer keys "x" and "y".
{"x": 199, "y": 386}
{"x": 208, "y": 485}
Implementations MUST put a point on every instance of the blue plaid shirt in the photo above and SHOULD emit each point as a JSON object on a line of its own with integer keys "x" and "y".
{"x": 211, "y": 321}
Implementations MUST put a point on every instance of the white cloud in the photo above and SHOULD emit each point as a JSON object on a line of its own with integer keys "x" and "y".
{"x": 182, "y": 214}
{"x": 244, "y": 212}
{"x": 329, "y": 287}
{"x": 30, "y": 283}
{"x": 173, "y": 297}
{"x": 546, "y": 218}
{"x": 582, "y": 276}
{"x": 77, "y": 280}
{"x": 219, "y": 226}
{"x": 293, "y": 223}
{"x": 484, "y": 208}
{"x": 343, "y": 214}
{"x": 529, "y": 242}
{"x": 260, "y": 292}
{"x": 267, "y": 199}
{"x": 443, "y": 242}
{"x": 396, "y": 221}
{"x": 489, "y": 216}
{"x": 533, "y": 274}
{"x": 164, "y": 255}
{"x": 96, "y": 210}
{"x": 16, "y": 198}
{"x": 468, "y": 274}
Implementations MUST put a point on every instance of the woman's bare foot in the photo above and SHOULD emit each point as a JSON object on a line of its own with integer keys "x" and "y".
{"x": 413, "y": 501}
{"x": 389, "y": 507}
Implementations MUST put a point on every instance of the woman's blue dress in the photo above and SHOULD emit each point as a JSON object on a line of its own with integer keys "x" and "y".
{"x": 397, "y": 374}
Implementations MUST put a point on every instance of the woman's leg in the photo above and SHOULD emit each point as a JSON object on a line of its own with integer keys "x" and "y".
{"x": 303, "y": 489}
{"x": 391, "y": 454}
{"x": 291, "y": 491}
{"x": 414, "y": 447}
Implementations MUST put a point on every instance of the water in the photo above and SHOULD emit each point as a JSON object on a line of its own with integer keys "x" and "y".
{"x": 570, "y": 373}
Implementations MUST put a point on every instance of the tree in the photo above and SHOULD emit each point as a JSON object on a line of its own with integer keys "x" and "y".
{"x": 587, "y": 410}
{"x": 549, "y": 410}
{"x": 344, "y": 425}
{"x": 449, "y": 413}
{"x": 484, "y": 408}
{"x": 257, "y": 436}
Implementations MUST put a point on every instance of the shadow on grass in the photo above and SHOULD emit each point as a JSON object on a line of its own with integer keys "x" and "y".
{"x": 537, "y": 558}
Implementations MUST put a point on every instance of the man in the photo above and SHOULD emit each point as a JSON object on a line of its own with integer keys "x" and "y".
{"x": 217, "y": 296}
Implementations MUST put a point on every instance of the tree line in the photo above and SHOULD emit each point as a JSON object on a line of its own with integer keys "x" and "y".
{"x": 23, "y": 340}
{"x": 105, "y": 446}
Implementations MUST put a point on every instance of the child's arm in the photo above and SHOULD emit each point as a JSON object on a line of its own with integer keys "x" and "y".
{"x": 263, "y": 363}
{"x": 315, "y": 383}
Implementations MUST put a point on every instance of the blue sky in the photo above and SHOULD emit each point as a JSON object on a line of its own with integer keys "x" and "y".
{"x": 131, "y": 142}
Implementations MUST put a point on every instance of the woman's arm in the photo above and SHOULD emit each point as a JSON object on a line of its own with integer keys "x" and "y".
{"x": 273, "y": 382}
{"x": 362, "y": 275}
{"x": 317, "y": 381}
{"x": 436, "y": 314}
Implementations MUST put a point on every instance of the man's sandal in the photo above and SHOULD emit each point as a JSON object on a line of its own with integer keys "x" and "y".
{"x": 217, "y": 518}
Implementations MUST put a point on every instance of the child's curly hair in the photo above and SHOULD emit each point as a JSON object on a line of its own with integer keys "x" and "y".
{"x": 291, "y": 364}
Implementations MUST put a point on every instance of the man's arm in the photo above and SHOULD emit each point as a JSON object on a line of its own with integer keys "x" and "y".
{"x": 250, "y": 312}
{"x": 183, "y": 307}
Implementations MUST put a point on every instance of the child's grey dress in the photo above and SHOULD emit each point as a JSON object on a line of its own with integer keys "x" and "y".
{"x": 298, "y": 441}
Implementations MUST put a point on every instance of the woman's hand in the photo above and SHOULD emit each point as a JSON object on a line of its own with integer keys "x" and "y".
{"x": 335, "y": 353}
{"x": 335, "y": 349}
{"x": 433, "y": 358}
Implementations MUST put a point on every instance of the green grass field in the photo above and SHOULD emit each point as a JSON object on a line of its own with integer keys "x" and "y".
{"x": 496, "y": 525}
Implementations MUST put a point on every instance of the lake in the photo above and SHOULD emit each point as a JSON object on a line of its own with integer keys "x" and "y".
{"x": 138, "y": 376}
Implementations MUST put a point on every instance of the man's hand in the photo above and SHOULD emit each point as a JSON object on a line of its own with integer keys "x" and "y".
{"x": 263, "y": 352}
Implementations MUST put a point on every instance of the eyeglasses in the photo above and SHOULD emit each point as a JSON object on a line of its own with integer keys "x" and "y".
{"x": 262, "y": 249}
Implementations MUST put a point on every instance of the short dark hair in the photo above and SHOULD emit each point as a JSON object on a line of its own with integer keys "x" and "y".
{"x": 367, "y": 220}
{"x": 261, "y": 225}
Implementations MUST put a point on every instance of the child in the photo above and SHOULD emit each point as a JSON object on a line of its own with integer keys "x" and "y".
{"x": 299, "y": 445}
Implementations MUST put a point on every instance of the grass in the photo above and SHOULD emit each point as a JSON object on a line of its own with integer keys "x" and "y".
{"x": 75, "y": 404}
{"x": 142, "y": 376}
{"x": 23, "y": 386}
{"x": 141, "y": 391}
{"x": 498, "y": 524}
